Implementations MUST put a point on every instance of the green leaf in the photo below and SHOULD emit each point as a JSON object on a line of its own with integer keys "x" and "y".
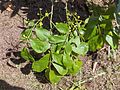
{"x": 67, "y": 61}
{"x": 109, "y": 39}
{"x": 118, "y": 11}
{"x": 81, "y": 49}
{"x": 41, "y": 64}
{"x": 91, "y": 27}
{"x": 42, "y": 33}
{"x": 31, "y": 23}
{"x": 96, "y": 43}
{"x": 57, "y": 39}
{"x": 26, "y": 34}
{"x": 52, "y": 76}
{"x": 106, "y": 16}
{"x": 68, "y": 48}
{"x": 61, "y": 69}
{"x": 75, "y": 40}
{"x": 39, "y": 46}
{"x": 115, "y": 41}
{"x": 62, "y": 27}
{"x": 77, "y": 65}
{"x": 26, "y": 55}
{"x": 57, "y": 58}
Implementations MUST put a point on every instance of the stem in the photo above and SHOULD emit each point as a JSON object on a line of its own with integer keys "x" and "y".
{"x": 66, "y": 11}
{"x": 51, "y": 17}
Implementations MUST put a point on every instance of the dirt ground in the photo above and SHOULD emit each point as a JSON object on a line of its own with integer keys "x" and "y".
{"x": 15, "y": 73}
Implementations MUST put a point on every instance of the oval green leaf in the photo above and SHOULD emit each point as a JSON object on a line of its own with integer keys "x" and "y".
{"x": 57, "y": 58}
{"x": 42, "y": 33}
{"x": 26, "y": 34}
{"x": 53, "y": 76}
{"x": 61, "y": 69}
{"x": 62, "y": 28}
{"x": 41, "y": 64}
{"x": 81, "y": 48}
{"x": 39, "y": 46}
{"x": 57, "y": 39}
{"x": 26, "y": 55}
{"x": 67, "y": 61}
{"x": 68, "y": 48}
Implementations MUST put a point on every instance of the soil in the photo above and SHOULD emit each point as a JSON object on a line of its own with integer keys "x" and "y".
{"x": 16, "y": 74}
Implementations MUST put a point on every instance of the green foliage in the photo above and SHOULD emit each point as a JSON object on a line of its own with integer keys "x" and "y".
{"x": 61, "y": 49}
{"x": 62, "y": 28}
{"x": 59, "y": 58}
{"x": 42, "y": 34}
{"x": 53, "y": 76}
{"x": 39, "y": 46}
{"x": 26, "y": 55}
{"x": 41, "y": 64}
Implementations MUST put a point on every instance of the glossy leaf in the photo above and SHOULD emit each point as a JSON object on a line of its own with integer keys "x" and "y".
{"x": 52, "y": 76}
{"x": 57, "y": 39}
{"x": 109, "y": 39}
{"x": 41, "y": 64}
{"x": 39, "y": 46}
{"x": 81, "y": 49}
{"x": 26, "y": 34}
{"x": 62, "y": 27}
{"x": 26, "y": 55}
{"x": 75, "y": 41}
{"x": 67, "y": 61}
{"x": 57, "y": 58}
{"x": 77, "y": 65}
{"x": 68, "y": 48}
{"x": 42, "y": 34}
{"x": 61, "y": 69}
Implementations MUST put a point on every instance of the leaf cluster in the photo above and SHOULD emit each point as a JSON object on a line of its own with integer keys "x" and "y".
{"x": 60, "y": 50}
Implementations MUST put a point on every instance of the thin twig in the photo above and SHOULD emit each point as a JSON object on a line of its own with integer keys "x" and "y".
{"x": 103, "y": 73}
{"x": 51, "y": 16}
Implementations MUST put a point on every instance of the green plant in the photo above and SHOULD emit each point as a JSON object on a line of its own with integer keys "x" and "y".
{"x": 61, "y": 45}
{"x": 60, "y": 50}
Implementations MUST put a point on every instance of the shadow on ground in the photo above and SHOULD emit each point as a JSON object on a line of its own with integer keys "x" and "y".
{"x": 5, "y": 86}
{"x": 33, "y": 7}
{"x": 14, "y": 56}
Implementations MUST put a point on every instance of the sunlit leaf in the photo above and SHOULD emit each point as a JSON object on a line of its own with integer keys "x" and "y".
{"x": 57, "y": 58}
{"x": 77, "y": 65}
{"x": 81, "y": 49}
{"x": 52, "y": 76}
{"x": 57, "y": 39}
{"x": 109, "y": 39}
{"x": 42, "y": 33}
{"x": 68, "y": 48}
{"x": 26, "y": 55}
{"x": 61, "y": 69}
{"x": 62, "y": 27}
{"x": 26, "y": 34}
{"x": 41, "y": 64}
{"x": 39, "y": 46}
{"x": 67, "y": 61}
